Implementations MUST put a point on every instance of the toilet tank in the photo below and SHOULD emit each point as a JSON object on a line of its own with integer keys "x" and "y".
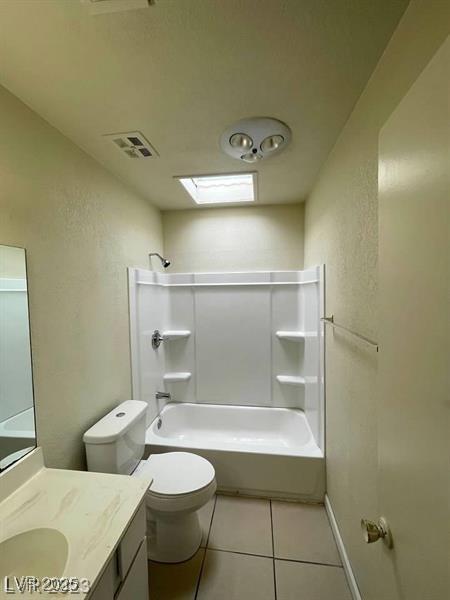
{"x": 116, "y": 443}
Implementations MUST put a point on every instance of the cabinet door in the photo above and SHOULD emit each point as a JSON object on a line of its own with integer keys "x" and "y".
{"x": 104, "y": 590}
{"x": 135, "y": 586}
{"x": 131, "y": 541}
{"x": 413, "y": 395}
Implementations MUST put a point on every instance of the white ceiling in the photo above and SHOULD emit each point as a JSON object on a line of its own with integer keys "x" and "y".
{"x": 181, "y": 71}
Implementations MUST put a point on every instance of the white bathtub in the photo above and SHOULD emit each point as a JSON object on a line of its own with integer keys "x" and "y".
{"x": 17, "y": 432}
{"x": 256, "y": 451}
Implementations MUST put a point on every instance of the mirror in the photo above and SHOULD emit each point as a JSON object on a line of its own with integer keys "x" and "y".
{"x": 17, "y": 424}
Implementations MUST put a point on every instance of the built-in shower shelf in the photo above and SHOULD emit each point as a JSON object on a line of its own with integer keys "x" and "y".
{"x": 175, "y": 334}
{"x": 294, "y": 336}
{"x": 176, "y": 377}
{"x": 291, "y": 380}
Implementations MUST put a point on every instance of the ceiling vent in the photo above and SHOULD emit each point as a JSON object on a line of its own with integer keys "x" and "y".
{"x": 99, "y": 7}
{"x": 133, "y": 144}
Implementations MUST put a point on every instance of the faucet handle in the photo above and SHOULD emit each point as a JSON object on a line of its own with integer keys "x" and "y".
{"x": 157, "y": 338}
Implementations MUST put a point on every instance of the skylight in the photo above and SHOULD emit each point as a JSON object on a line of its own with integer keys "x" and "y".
{"x": 221, "y": 189}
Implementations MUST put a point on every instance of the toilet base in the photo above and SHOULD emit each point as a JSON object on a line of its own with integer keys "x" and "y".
{"x": 172, "y": 538}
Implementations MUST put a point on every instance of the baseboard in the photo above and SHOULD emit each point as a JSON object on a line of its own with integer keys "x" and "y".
{"x": 269, "y": 495}
{"x": 342, "y": 552}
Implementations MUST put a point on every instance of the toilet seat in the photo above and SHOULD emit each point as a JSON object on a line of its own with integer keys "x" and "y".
{"x": 176, "y": 474}
{"x": 182, "y": 483}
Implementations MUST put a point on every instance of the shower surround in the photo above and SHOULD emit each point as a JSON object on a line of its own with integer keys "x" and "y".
{"x": 235, "y": 340}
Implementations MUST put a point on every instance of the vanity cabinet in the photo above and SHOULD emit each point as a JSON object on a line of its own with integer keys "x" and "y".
{"x": 104, "y": 590}
{"x": 135, "y": 585}
{"x": 126, "y": 574}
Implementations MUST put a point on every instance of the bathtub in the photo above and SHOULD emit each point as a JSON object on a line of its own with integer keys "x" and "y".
{"x": 17, "y": 432}
{"x": 257, "y": 451}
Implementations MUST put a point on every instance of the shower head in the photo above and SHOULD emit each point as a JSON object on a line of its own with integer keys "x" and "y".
{"x": 165, "y": 263}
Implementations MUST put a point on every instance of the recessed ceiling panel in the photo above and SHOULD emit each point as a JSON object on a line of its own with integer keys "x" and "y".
{"x": 220, "y": 189}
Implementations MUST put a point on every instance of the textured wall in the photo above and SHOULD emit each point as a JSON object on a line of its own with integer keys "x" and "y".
{"x": 341, "y": 231}
{"x": 264, "y": 238}
{"x": 81, "y": 228}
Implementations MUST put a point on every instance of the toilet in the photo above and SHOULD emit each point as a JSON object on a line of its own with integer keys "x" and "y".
{"x": 182, "y": 482}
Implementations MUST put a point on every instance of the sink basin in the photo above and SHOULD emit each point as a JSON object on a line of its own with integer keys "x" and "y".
{"x": 39, "y": 552}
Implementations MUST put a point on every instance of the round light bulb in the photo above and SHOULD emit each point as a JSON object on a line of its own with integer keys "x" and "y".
{"x": 241, "y": 141}
{"x": 272, "y": 143}
{"x": 251, "y": 157}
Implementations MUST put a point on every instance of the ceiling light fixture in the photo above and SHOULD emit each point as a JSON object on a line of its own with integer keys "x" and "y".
{"x": 241, "y": 141}
{"x": 220, "y": 189}
{"x": 251, "y": 157}
{"x": 254, "y": 139}
{"x": 272, "y": 143}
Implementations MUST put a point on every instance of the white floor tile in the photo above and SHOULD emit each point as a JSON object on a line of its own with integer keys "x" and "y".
{"x": 303, "y": 581}
{"x": 229, "y": 576}
{"x": 302, "y": 532}
{"x": 175, "y": 581}
{"x": 242, "y": 525}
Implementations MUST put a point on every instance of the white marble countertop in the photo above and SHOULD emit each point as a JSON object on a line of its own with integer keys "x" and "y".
{"x": 92, "y": 510}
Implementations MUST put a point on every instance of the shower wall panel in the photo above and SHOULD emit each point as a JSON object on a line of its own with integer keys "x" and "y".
{"x": 233, "y": 345}
{"x": 237, "y": 347}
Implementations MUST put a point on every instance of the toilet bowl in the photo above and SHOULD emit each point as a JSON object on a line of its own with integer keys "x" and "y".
{"x": 182, "y": 482}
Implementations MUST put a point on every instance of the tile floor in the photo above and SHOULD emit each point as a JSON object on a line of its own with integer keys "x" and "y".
{"x": 256, "y": 550}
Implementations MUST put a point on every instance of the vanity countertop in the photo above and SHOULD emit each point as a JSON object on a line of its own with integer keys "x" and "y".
{"x": 92, "y": 510}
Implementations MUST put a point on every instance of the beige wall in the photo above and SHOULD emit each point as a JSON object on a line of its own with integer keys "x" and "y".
{"x": 81, "y": 228}
{"x": 235, "y": 239}
{"x": 341, "y": 231}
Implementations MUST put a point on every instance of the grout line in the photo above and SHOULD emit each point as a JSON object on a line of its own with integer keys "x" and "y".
{"x": 273, "y": 552}
{"x": 275, "y": 558}
{"x": 205, "y": 549}
{"x": 211, "y": 522}
{"x": 241, "y": 553}
{"x": 310, "y": 562}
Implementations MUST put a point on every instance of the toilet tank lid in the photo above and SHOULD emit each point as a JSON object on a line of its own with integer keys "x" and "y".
{"x": 116, "y": 423}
